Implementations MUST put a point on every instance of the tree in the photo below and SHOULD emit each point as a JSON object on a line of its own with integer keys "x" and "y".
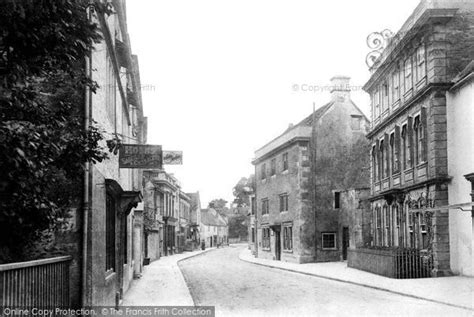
{"x": 43, "y": 143}
{"x": 242, "y": 190}
{"x": 220, "y": 205}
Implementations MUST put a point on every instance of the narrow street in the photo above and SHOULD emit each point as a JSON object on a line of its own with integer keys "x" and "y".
{"x": 219, "y": 278}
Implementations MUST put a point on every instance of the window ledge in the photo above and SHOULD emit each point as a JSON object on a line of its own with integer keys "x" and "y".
{"x": 408, "y": 170}
{"x": 284, "y": 212}
{"x": 284, "y": 172}
{"x": 329, "y": 249}
{"x": 265, "y": 249}
{"x": 396, "y": 174}
{"x": 273, "y": 176}
{"x": 287, "y": 251}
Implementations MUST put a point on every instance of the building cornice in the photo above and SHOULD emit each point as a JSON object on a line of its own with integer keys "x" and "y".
{"x": 399, "y": 190}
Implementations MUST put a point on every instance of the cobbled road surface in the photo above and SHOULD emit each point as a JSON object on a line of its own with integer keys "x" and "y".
{"x": 237, "y": 288}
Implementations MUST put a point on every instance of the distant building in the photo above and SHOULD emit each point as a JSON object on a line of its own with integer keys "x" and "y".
{"x": 252, "y": 228}
{"x": 184, "y": 221}
{"x": 214, "y": 230}
{"x": 299, "y": 175}
{"x": 193, "y": 239}
{"x": 163, "y": 196}
{"x": 408, "y": 134}
{"x": 460, "y": 141}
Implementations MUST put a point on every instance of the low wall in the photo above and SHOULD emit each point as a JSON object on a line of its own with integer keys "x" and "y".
{"x": 380, "y": 262}
{"x": 393, "y": 263}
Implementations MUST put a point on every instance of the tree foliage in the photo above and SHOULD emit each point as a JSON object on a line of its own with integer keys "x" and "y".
{"x": 43, "y": 143}
{"x": 242, "y": 191}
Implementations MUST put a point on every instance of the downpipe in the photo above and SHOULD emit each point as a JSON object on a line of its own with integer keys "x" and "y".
{"x": 87, "y": 174}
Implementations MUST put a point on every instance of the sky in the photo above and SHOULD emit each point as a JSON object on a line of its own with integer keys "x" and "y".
{"x": 221, "y": 78}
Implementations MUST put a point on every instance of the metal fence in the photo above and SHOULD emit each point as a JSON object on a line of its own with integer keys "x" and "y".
{"x": 397, "y": 263}
{"x": 40, "y": 283}
{"x": 412, "y": 263}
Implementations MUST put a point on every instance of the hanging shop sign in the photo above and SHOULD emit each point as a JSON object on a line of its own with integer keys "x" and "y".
{"x": 144, "y": 156}
{"x": 172, "y": 157}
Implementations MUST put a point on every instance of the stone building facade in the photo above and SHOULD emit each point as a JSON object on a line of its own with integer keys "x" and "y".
{"x": 460, "y": 115}
{"x": 162, "y": 202}
{"x": 408, "y": 133}
{"x": 105, "y": 230}
{"x": 297, "y": 175}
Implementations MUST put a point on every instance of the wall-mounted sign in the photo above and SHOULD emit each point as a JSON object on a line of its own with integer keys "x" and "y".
{"x": 173, "y": 157}
{"x": 140, "y": 156}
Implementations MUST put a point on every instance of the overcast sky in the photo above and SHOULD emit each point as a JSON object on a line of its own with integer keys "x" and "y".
{"x": 222, "y": 78}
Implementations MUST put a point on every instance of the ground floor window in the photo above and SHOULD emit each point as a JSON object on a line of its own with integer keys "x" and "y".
{"x": 288, "y": 238}
{"x": 266, "y": 238}
{"x": 253, "y": 235}
{"x": 329, "y": 240}
{"x": 110, "y": 233}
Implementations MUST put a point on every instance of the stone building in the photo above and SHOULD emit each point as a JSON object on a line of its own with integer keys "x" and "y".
{"x": 408, "y": 134}
{"x": 214, "y": 230}
{"x": 460, "y": 114}
{"x": 193, "y": 240}
{"x": 102, "y": 235}
{"x": 298, "y": 175}
{"x": 184, "y": 236}
{"x": 162, "y": 202}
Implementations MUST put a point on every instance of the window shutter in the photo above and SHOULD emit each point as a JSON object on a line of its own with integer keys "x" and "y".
{"x": 397, "y": 146}
{"x": 410, "y": 139}
{"x": 424, "y": 122}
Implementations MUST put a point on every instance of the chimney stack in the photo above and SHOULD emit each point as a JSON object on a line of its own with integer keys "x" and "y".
{"x": 340, "y": 88}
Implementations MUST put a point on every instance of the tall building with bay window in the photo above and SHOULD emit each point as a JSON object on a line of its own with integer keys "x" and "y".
{"x": 408, "y": 133}
{"x": 300, "y": 176}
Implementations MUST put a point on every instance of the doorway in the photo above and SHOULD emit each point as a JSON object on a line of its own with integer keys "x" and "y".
{"x": 277, "y": 245}
{"x": 345, "y": 242}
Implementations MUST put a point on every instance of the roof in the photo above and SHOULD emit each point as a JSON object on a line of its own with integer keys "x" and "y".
{"x": 209, "y": 219}
{"x": 301, "y": 130}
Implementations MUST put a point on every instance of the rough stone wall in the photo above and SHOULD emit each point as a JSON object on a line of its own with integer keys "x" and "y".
{"x": 286, "y": 182}
{"x": 341, "y": 162}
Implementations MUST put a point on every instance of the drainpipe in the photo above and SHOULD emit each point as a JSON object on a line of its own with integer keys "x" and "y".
{"x": 87, "y": 119}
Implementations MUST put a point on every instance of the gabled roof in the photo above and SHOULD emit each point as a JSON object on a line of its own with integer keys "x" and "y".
{"x": 302, "y": 130}
{"x": 209, "y": 219}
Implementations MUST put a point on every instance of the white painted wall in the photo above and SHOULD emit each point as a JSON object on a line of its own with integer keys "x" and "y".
{"x": 460, "y": 116}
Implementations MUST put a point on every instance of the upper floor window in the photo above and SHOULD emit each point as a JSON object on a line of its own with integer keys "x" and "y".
{"x": 395, "y": 85}
{"x": 406, "y": 147}
{"x": 382, "y": 160}
{"x": 273, "y": 167}
{"x": 419, "y": 140}
{"x": 375, "y": 167}
{"x": 252, "y": 205}
{"x": 283, "y": 202}
{"x": 376, "y": 100}
{"x": 408, "y": 74}
{"x": 394, "y": 152}
{"x": 265, "y": 207}
{"x": 285, "y": 161}
{"x": 420, "y": 63}
{"x": 337, "y": 200}
{"x": 263, "y": 173}
{"x": 384, "y": 96}
{"x": 356, "y": 122}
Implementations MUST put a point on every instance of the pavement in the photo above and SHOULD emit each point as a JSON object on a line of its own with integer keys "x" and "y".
{"x": 457, "y": 291}
{"x": 162, "y": 283}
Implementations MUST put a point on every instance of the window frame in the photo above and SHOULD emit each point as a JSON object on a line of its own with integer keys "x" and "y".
{"x": 331, "y": 233}
{"x": 263, "y": 171}
{"x": 287, "y": 230}
{"x": 285, "y": 161}
{"x": 283, "y": 199}
{"x": 273, "y": 167}
{"x": 265, "y": 206}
